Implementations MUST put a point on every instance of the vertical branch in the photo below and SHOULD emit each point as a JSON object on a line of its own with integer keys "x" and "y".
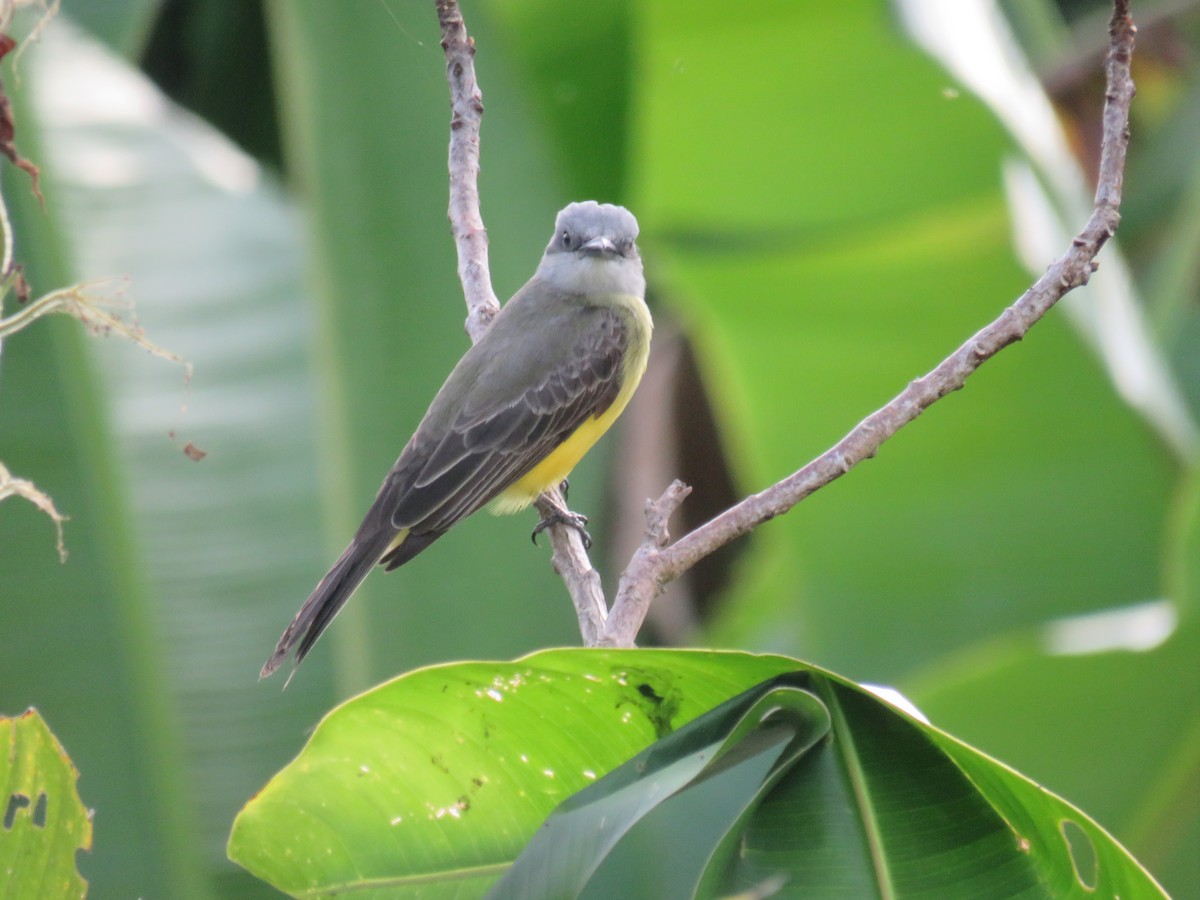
{"x": 466, "y": 114}
{"x": 1119, "y": 91}
{"x": 570, "y": 559}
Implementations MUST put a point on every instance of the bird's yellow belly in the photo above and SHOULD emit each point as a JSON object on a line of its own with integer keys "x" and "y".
{"x": 558, "y": 465}
{"x": 555, "y": 467}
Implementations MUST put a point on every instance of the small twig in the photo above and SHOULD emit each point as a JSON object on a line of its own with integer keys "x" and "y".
{"x": 570, "y": 559}
{"x": 653, "y": 565}
{"x": 87, "y": 303}
{"x": 466, "y": 114}
{"x": 20, "y": 487}
{"x": 645, "y": 568}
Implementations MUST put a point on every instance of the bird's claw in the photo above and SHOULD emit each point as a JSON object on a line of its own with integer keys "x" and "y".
{"x": 568, "y": 518}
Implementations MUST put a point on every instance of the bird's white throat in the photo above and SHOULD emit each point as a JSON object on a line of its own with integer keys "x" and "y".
{"x": 574, "y": 274}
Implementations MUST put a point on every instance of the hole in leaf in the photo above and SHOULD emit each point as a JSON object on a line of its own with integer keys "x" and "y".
{"x": 16, "y": 802}
{"x": 39, "y": 810}
{"x": 1082, "y": 852}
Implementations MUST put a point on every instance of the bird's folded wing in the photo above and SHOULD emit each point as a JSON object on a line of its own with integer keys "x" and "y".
{"x": 482, "y": 454}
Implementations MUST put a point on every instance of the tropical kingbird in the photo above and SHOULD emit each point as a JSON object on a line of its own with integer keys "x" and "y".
{"x": 549, "y": 376}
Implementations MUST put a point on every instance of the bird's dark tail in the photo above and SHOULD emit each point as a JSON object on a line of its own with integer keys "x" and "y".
{"x": 331, "y": 594}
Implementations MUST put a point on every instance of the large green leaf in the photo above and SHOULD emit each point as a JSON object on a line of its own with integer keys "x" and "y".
{"x": 927, "y": 816}
{"x": 82, "y": 639}
{"x": 221, "y": 545}
{"x": 430, "y": 784}
{"x": 770, "y": 726}
{"x": 435, "y": 781}
{"x": 885, "y": 807}
{"x": 44, "y": 822}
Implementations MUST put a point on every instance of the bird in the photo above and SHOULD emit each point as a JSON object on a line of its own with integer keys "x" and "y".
{"x": 553, "y": 370}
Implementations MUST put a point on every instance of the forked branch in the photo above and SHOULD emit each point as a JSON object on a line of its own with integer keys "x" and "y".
{"x": 654, "y": 566}
{"x": 657, "y": 561}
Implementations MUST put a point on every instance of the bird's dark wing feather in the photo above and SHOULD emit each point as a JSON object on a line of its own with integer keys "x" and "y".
{"x": 482, "y": 454}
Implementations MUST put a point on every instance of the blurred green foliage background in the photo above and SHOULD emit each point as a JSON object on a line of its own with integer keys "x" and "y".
{"x": 824, "y": 216}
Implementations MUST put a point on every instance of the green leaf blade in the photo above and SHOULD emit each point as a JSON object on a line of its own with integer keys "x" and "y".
{"x": 771, "y": 774}
{"x": 778, "y": 721}
{"x": 437, "y": 777}
{"x": 44, "y": 821}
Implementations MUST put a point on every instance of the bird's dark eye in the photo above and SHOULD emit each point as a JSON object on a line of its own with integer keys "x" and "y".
{"x": 566, "y": 239}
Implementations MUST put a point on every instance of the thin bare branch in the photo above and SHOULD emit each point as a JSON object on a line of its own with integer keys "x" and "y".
{"x": 570, "y": 559}
{"x": 653, "y": 565}
{"x": 645, "y": 568}
{"x": 571, "y": 563}
{"x": 466, "y": 222}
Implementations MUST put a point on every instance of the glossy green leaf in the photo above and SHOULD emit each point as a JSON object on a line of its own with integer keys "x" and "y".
{"x": 220, "y": 545}
{"x": 431, "y": 784}
{"x": 81, "y": 637}
{"x": 886, "y": 806}
{"x": 1068, "y": 853}
{"x": 436, "y": 780}
{"x": 773, "y": 724}
{"x": 44, "y": 822}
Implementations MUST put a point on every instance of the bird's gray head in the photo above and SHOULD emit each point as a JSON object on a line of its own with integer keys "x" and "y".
{"x": 594, "y": 250}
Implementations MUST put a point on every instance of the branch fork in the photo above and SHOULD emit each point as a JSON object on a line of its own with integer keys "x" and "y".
{"x": 657, "y": 561}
